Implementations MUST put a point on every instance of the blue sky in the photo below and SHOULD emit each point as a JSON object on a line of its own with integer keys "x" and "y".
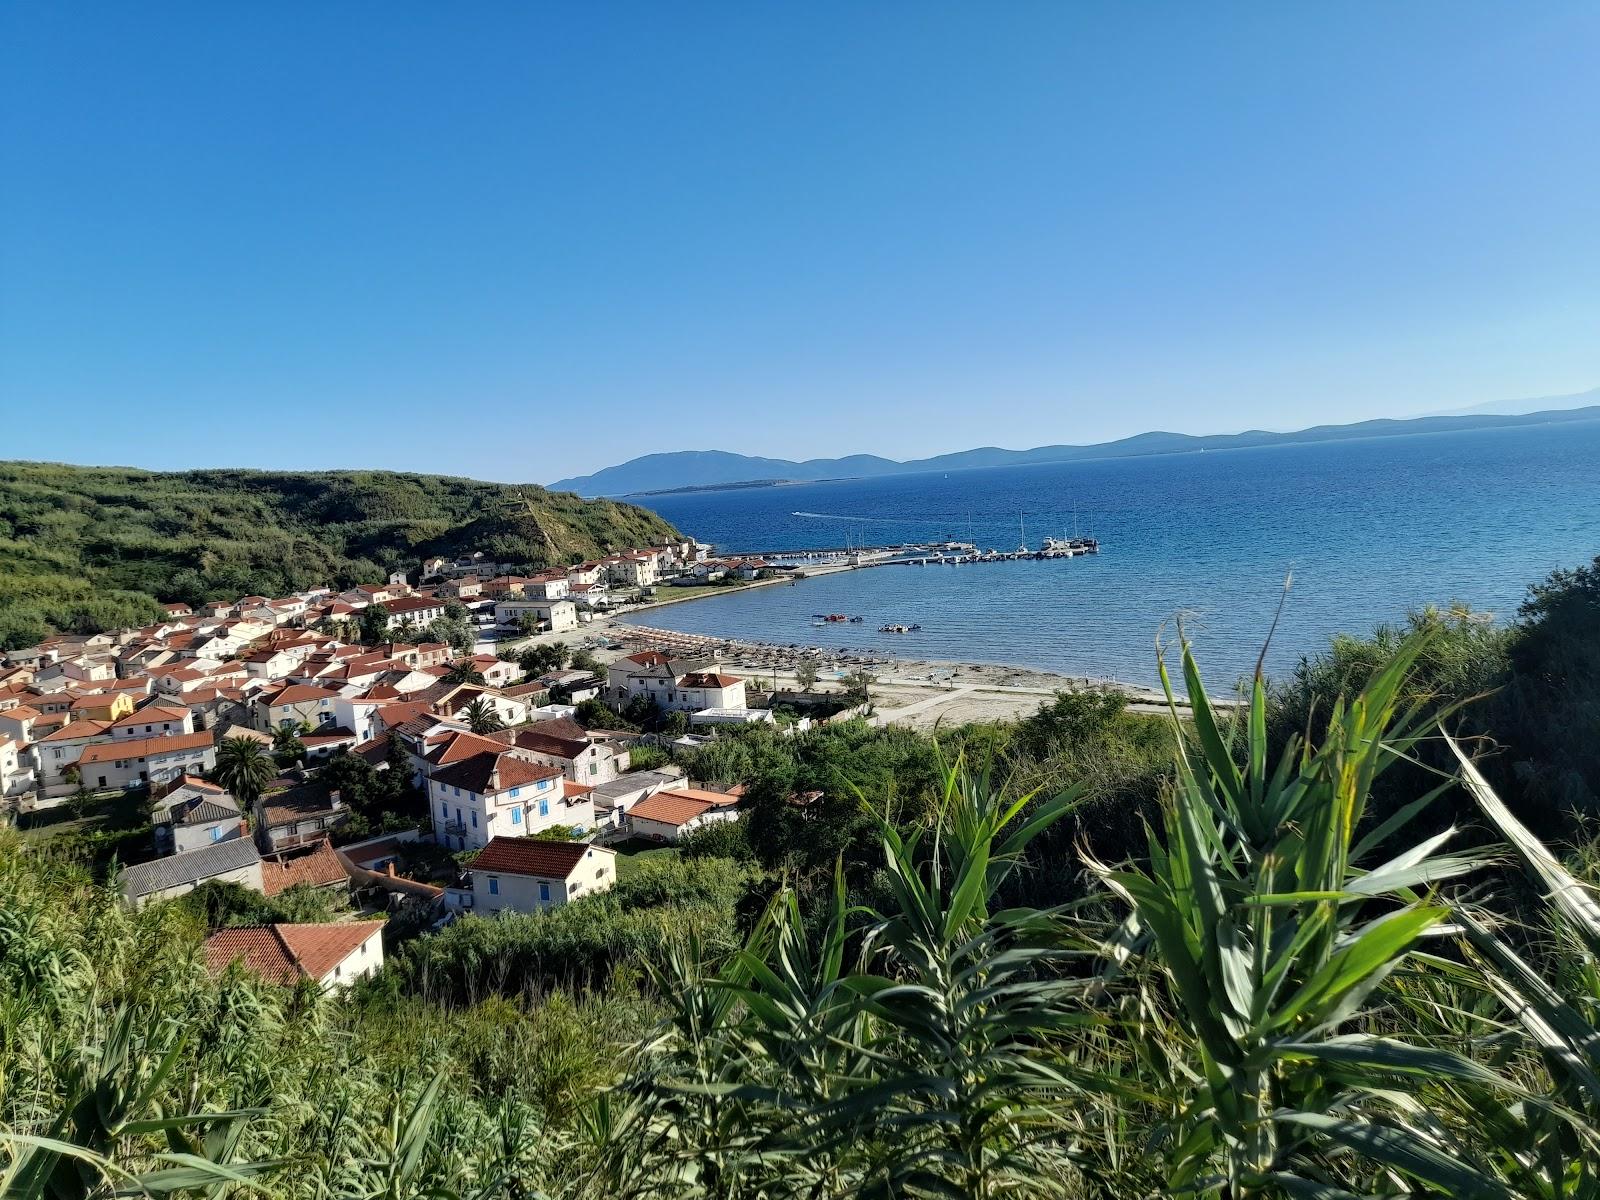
{"x": 523, "y": 241}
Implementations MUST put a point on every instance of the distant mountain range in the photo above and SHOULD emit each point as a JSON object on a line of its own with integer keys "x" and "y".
{"x": 686, "y": 469}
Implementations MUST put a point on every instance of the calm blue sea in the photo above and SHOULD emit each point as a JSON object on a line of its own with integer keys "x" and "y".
{"x": 1370, "y": 529}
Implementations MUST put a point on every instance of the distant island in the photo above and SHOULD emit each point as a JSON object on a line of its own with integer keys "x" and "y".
{"x": 701, "y": 470}
{"x": 721, "y": 487}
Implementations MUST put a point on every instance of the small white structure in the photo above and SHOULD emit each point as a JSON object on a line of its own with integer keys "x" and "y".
{"x": 669, "y": 814}
{"x": 518, "y": 874}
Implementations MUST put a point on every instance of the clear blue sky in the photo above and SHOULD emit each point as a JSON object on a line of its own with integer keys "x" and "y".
{"x": 521, "y": 241}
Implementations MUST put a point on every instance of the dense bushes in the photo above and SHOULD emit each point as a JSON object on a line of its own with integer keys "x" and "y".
{"x": 662, "y": 903}
{"x": 84, "y": 549}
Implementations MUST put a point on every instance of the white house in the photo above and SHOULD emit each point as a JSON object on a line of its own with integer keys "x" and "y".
{"x": 333, "y": 955}
{"x": 194, "y": 815}
{"x": 419, "y": 610}
{"x": 491, "y": 793}
{"x": 674, "y": 684}
{"x": 667, "y": 815}
{"x": 552, "y": 586}
{"x": 138, "y": 762}
{"x": 521, "y": 874}
{"x": 153, "y": 720}
{"x": 577, "y": 758}
{"x": 553, "y": 615}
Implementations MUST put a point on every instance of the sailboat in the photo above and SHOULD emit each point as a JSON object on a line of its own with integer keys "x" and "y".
{"x": 1022, "y": 547}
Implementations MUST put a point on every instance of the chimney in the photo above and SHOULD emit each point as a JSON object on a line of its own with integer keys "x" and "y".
{"x": 388, "y": 869}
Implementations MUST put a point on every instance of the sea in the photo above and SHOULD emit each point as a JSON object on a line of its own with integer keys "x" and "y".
{"x": 1360, "y": 532}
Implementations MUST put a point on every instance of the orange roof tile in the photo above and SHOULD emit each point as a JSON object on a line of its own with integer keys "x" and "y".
{"x": 286, "y": 953}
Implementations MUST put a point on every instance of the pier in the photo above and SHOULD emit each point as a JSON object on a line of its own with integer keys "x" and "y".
{"x": 926, "y": 554}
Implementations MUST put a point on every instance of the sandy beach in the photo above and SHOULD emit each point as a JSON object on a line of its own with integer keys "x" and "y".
{"x": 919, "y": 693}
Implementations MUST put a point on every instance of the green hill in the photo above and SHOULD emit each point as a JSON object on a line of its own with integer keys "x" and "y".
{"x": 89, "y": 548}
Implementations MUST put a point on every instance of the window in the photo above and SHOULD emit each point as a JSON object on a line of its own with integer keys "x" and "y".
{"x": 516, "y": 816}
{"x": 593, "y": 767}
{"x": 216, "y": 835}
{"x": 474, "y": 818}
{"x": 515, "y": 792}
{"x": 544, "y": 892}
{"x": 544, "y": 808}
{"x": 494, "y": 886}
{"x": 444, "y": 811}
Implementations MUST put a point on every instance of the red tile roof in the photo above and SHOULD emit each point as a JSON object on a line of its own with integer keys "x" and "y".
{"x": 708, "y": 679}
{"x": 488, "y": 772}
{"x": 549, "y": 743}
{"x": 151, "y": 747}
{"x": 530, "y": 856}
{"x": 319, "y": 868}
{"x": 705, "y": 795}
{"x": 286, "y": 953}
{"x": 299, "y": 693}
{"x": 153, "y": 714}
{"x": 670, "y": 809}
{"x": 76, "y": 729}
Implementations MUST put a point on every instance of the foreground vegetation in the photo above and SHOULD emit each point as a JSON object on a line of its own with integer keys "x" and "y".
{"x": 84, "y": 549}
{"x": 1322, "y": 967}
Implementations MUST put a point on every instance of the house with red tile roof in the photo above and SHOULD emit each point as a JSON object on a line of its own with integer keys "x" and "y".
{"x": 578, "y": 758}
{"x": 318, "y": 867}
{"x": 154, "y": 720}
{"x": 296, "y": 704}
{"x": 56, "y": 754}
{"x": 332, "y": 955}
{"x": 498, "y": 790}
{"x": 523, "y": 874}
{"x": 140, "y": 762}
{"x": 668, "y": 814}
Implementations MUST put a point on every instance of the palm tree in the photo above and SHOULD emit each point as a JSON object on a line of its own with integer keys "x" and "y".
{"x": 464, "y": 671}
{"x": 244, "y": 767}
{"x": 482, "y": 717}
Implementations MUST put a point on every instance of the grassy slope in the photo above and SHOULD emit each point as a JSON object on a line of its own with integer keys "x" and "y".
{"x": 85, "y": 548}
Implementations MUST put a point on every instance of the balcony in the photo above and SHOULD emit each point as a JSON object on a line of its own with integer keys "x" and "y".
{"x": 455, "y": 827}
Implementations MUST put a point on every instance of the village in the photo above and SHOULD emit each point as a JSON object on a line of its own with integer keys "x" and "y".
{"x": 527, "y": 808}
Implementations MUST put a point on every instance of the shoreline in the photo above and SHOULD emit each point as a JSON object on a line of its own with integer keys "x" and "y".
{"x": 922, "y": 693}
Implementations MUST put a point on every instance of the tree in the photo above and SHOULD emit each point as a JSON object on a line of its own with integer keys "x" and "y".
{"x": 245, "y": 768}
{"x": 583, "y": 660}
{"x": 675, "y": 724}
{"x": 858, "y": 685}
{"x": 482, "y": 717}
{"x": 286, "y": 737}
{"x": 464, "y": 670}
{"x": 374, "y": 624}
{"x": 805, "y": 675}
{"x": 543, "y": 657}
{"x": 455, "y": 632}
{"x": 596, "y": 714}
{"x": 642, "y": 712}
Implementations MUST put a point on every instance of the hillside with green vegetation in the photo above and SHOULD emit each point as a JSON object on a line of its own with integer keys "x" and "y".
{"x": 90, "y": 548}
{"x": 1314, "y": 948}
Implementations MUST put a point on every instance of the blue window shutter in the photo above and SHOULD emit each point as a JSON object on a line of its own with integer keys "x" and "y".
{"x": 494, "y": 886}
{"x": 544, "y": 808}
{"x": 544, "y": 891}
{"x": 516, "y": 816}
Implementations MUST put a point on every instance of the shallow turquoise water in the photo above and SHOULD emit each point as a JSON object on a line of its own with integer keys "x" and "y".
{"x": 1370, "y": 529}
